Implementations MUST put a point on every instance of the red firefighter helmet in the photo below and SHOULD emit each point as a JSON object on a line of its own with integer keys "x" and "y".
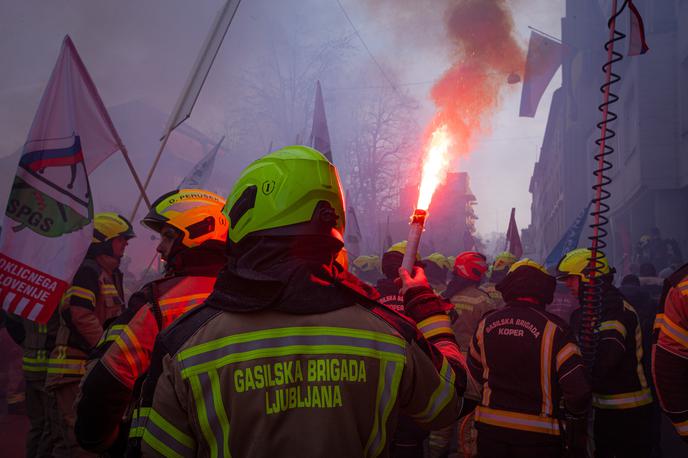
{"x": 470, "y": 265}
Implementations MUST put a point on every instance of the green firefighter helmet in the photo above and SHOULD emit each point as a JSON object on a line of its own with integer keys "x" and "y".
{"x": 292, "y": 191}
{"x": 577, "y": 263}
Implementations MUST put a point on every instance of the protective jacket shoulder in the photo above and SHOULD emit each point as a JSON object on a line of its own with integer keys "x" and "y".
{"x": 470, "y": 304}
{"x": 112, "y": 382}
{"x": 343, "y": 375}
{"x": 93, "y": 300}
{"x": 526, "y": 361}
{"x": 670, "y": 356}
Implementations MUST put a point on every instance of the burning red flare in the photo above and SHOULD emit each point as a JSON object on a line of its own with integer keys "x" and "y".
{"x": 435, "y": 165}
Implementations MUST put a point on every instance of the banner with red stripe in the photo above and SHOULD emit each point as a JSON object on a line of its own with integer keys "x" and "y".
{"x": 28, "y": 292}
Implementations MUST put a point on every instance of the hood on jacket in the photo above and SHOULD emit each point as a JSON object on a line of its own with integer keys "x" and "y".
{"x": 296, "y": 274}
{"x": 528, "y": 282}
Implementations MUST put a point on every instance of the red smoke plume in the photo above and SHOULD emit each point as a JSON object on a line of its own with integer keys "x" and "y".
{"x": 487, "y": 55}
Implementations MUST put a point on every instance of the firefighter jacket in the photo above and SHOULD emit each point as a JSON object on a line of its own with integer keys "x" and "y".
{"x": 527, "y": 362}
{"x": 618, "y": 376}
{"x": 491, "y": 290}
{"x": 114, "y": 374}
{"x": 670, "y": 355}
{"x": 93, "y": 300}
{"x": 275, "y": 354}
{"x": 37, "y": 341}
{"x": 390, "y": 295}
{"x": 470, "y": 304}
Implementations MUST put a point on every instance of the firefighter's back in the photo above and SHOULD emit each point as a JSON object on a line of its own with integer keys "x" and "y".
{"x": 282, "y": 384}
{"x": 517, "y": 346}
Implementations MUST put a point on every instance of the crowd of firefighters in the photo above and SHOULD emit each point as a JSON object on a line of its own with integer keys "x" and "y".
{"x": 261, "y": 340}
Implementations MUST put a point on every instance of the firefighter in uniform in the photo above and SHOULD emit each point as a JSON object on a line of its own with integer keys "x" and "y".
{"x": 526, "y": 362}
{"x": 287, "y": 345}
{"x": 37, "y": 341}
{"x": 366, "y": 268}
{"x": 501, "y": 265}
{"x": 437, "y": 269}
{"x": 469, "y": 301}
{"x": 193, "y": 233}
{"x": 93, "y": 300}
{"x": 621, "y": 397}
{"x": 670, "y": 353}
{"x": 388, "y": 286}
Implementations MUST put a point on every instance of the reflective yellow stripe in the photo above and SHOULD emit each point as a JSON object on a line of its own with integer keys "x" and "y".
{"x": 671, "y": 329}
{"x": 442, "y": 395}
{"x": 638, "y": 347}
{"x": 174, "y": 300}
{"x": 435, "y": 325}
{"x": 682, "y": 428}
{"x": 566, "y": 352}
{"x": 613, "y": 325}
{"x": 546, "y": 367}
{"x": 162, "y": 436}
{"x": 136, "y": 428}
{"x": 83, "y": 293}
{"x": 66, "y": 366}
{"x": 277, "y": 342}
{"x": 659, "y": 320}
{"x": 111, "y": 333}
{"x": 387, "y": 392}
{"x": 131, "y": 349}
{"x": 37, "y": 364}
{"x": 202, "y": 413}
{"x": 683, "y": 287}
{"x": 480, "y": 333}
{"x": 517, "y": 420}
{"x": 463, "y": 306}
{"x": 623, "y": 400}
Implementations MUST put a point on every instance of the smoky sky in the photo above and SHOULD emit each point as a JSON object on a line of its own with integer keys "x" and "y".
{"x": 142, "y": 50}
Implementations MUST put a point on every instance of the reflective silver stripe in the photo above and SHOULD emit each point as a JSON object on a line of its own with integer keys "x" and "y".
{"x": 60, "y": 366}
{"x": 526, "y": 422}
{"x": 213, "y": 423}
{"x": 138, "y": 418}
{"x": 546, "y": 367}
{"x": 388, "y": 385}
{"x": 182, "y": 302}
{"x": 152, "y": 429}
{"x": 162, "y": 436}
{"x": 624, "y": 400}
{"x": 281, "y": 342}
{"x": 442, "y": 395}
{"x": 435, "y": 325}
{"x": 682, "y": 428}
{"x": 133, "y": 350}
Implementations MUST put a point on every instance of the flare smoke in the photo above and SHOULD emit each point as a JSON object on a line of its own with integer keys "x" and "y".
{"x": 485, "y": 56}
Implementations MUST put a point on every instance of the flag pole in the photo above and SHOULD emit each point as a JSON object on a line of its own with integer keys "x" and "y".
{"x": 149, "y": 176}
{"x": 194, "y": 83}
{"x": 142, "y": 190}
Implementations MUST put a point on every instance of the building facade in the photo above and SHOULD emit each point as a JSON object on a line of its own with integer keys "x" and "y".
{"x": 649, "y": 186}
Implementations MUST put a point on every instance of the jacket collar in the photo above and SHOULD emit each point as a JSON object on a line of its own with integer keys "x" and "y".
{"x": 109, "y": 264}
{"x": 292, "y": 275}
